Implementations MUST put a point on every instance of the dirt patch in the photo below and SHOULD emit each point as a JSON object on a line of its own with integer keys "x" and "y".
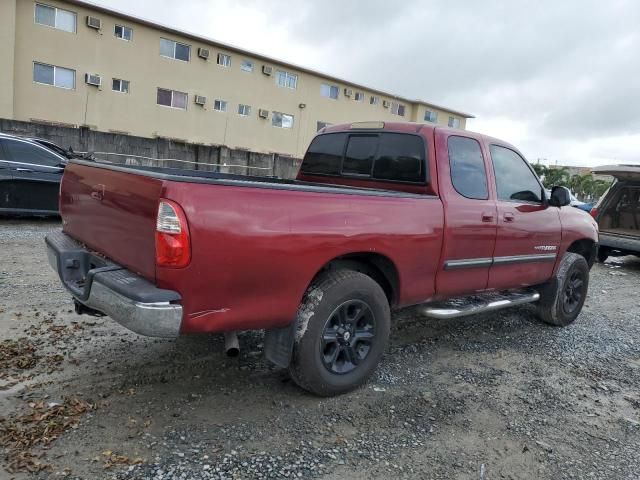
{"x": 44, "y": 423}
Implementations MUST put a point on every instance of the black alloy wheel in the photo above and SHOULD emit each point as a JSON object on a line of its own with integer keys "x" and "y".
{"x": 347, "y": 337}
{"x": 573, "y": 292}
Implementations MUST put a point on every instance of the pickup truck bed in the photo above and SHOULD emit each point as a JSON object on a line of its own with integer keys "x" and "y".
{"x": 122, "y": 221}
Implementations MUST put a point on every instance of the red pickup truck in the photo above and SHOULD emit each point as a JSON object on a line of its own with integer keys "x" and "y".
{"x": 381, "y": 216}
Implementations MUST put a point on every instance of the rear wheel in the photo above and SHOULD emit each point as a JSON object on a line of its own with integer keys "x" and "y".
{"x": 562, "y": 299}
{"x": 342, "y": 332}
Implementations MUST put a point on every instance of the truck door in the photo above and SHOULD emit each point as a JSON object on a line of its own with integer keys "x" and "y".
{"x": 470, "y": 215}
{"x": 529, "y": 231}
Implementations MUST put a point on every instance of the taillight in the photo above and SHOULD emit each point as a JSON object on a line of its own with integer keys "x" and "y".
{"x": 593, "y": 212}
{"x": 173, "y": 248}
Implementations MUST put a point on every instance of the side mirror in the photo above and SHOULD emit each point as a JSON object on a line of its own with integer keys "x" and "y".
{"x": 560, "y": 197}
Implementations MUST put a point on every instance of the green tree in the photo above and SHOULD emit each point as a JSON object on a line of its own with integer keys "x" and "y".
{"x": 540, "y": 169}
{"x": 556, "y": 176}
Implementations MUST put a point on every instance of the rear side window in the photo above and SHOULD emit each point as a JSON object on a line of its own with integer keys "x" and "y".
{"x": 379, "y": 156}
{"x": 24, "y": 152}
{"x": 468, "y": 174}
{"x": 514, "y": 178}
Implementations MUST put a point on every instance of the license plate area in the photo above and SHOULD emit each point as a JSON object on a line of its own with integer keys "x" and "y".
{"x": 77, "y": 269}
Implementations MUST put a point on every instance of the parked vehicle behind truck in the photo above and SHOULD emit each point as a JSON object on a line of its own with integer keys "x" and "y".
{"x": 618, "y": 212}
{"x": 381, "y": 216}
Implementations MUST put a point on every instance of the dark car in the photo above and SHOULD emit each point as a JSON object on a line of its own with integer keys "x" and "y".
{"x": 618, "y": 212}
{"x": 30, "y": 173}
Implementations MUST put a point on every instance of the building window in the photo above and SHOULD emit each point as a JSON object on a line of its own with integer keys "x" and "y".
{"x": 52, "y": 75}
{"x": 397, "y": 109}
{"x": 220, "y": 105}
{"x": 454, "y": 122}
{"x": 430, "y": 116}
{"x": 321, "y": 125}
{"x": 244, "y": 110}
{"x": 118, "y": 85}
{"x": 286, "y": 79}
{"x": 359, "y": 97}
{"x": 224, "y": 60}
{"x": 374, "y": 100}
{"x": 171, "y": 49}
{"x": 282, "y": 120}
{"x": 124, "y": 33}
{"x": 329, "y": 91}
{"x": 172, "y": 98}
{"x": 56, "y": 18}
{"x": 246, "y": 66}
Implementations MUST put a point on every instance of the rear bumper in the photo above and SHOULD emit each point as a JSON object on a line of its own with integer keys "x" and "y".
{"x": 624, "y": 243}
{"x": 102, "y": 285}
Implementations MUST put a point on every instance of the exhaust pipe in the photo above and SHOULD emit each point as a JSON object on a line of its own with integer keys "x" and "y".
{"x": 231, "y": 344}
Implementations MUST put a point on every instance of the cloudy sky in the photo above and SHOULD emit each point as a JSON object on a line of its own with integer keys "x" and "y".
{"x": 559, "y": 79}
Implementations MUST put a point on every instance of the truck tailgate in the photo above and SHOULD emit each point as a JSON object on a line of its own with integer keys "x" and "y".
{"x": 113, "y": 213}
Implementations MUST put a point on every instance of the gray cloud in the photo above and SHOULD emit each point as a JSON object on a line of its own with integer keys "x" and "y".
{"x": 562, "y": 71}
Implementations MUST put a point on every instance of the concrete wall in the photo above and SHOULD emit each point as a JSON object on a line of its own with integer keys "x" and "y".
{"x": 195, "y": 156}
{"x": 139, "y": 61}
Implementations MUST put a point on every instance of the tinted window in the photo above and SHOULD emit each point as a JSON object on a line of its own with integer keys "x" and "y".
{"x": 400, "y": 157}
{"x": 359, "y": 156}
{"x": 514, "y": 179}
{"x": 325, "y": 154}
{"x": 394, "y": 156}
{"x": 26, "y": 153}
{"x": 468, "y": 174}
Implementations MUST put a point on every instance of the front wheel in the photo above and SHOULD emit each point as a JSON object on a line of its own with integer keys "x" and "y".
{"x": 603, "y": 254}
{"x": 342, "y": 331}
{"x": 562, "y": 299}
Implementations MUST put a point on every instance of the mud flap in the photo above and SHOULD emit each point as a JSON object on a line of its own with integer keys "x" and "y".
{"x": 278, "y": 344}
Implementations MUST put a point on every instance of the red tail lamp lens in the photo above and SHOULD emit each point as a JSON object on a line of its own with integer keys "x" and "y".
{"x": 173, "y": 247}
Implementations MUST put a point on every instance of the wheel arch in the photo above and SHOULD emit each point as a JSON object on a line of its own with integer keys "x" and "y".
{"x": 375, "y": 265}
{"x": 585, "y": 247}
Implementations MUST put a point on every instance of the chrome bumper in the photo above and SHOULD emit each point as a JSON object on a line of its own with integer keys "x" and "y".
{"x": 112, "y": 290}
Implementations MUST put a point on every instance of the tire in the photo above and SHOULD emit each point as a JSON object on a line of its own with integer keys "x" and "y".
{"x": 561, "y": 300}
{"x": 342, "y": 331}
{"x": 603, "y": 254}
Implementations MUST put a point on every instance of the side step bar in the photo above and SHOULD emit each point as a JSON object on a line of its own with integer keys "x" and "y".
{"x": 461, "y": 307}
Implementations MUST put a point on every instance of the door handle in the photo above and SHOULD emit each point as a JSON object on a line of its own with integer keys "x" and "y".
{"x": 509, "y": 217}
{"x": 487, "y": 217}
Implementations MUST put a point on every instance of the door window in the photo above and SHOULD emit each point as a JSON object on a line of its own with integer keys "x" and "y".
{"x": 468, "y": 173}
{"x": 24, "y": 152}
{"x": 514, "y": 178}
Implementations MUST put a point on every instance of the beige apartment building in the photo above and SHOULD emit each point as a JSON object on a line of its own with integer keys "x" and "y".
{"x": 76, "y": 64}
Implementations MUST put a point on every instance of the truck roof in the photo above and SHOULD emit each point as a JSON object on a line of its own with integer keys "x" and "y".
{"x": 411, "y": 127}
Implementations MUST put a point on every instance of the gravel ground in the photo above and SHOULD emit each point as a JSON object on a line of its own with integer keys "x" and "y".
{"x": 484, "y": 397}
